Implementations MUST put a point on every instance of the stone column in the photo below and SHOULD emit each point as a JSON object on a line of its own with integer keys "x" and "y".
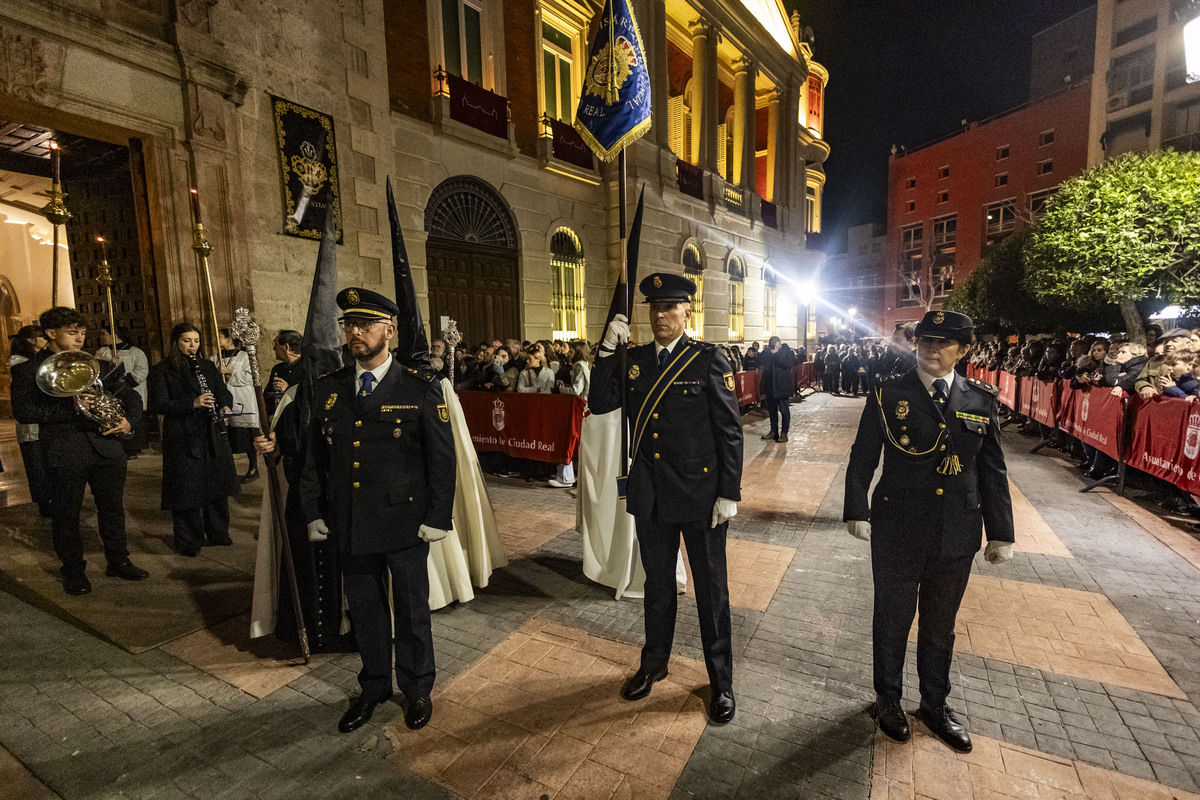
{"x": 742, "y": 172}
{"x": 775, "y": 136}
{"x": 654, "y": 39}
{"x": 705, "y": 39}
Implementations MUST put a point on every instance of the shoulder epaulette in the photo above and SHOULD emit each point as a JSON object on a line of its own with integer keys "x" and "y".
{"x": 983, "y": 386}
{"x": 428, "y": 375}
{"x": 703, "y": 345}
{"x": 892, "y": 378}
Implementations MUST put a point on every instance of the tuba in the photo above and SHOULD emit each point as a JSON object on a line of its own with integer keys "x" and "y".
{"x": 74, "y": 373}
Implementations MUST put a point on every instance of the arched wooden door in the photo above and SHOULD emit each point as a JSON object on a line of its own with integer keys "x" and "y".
{"x": 472, "y": 260}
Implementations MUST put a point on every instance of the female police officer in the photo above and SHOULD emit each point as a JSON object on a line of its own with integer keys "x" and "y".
{"x": 943, "y": 482}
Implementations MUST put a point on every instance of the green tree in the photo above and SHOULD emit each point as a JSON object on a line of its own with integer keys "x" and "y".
{"x": 1125, "y": 230}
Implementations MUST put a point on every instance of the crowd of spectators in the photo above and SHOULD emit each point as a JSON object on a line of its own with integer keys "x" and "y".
{"x": 1168, "y": 365}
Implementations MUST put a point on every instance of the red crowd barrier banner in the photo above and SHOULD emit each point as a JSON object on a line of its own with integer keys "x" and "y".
{"x": 1043, "y": 401}
{"x": 1166, "y": 441}
{"x": 1067, "y": 398}
{"x": 805, "y": 374}
{"x": 542, "y": 427}
{"x": 746, "y": 386}
{"x": 992, "y": 376}
{"x": 1008, "y": 390}
{"x": 1025, "y": 396}
{"x": 1097, "y": 418}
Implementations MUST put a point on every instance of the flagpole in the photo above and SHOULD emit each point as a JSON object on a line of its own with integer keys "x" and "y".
{"x": 623, "y": 349}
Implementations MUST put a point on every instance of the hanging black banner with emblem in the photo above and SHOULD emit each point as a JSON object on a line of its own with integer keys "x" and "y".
{"x": 308, "y": 162}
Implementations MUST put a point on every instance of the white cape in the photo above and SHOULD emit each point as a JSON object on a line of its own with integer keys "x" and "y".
{"x": 610, "y": 548}
{"x": 464, "y": 558}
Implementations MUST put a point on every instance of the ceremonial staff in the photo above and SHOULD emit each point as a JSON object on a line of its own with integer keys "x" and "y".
{"x": 451, "y": 337}
{"x": 203, "y": 248}
{"x": 56, "y": 212}
{"x": 246, "y": 330}
{"x": 614, "y": 112}
{"x": 105, "y": 280}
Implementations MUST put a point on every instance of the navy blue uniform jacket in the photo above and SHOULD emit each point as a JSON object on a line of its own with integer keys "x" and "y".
{"x": 691, "y": 451}
{"x": 377, "y": 472}
{"x": 916, "y": 511}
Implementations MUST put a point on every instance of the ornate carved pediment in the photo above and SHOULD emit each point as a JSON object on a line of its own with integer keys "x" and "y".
{"x": 31, "y": 67}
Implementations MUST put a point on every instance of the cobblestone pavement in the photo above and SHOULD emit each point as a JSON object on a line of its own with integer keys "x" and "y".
{"x": 528, "y": 671}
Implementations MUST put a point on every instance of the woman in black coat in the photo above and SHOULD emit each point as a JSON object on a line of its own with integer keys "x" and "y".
{"x": 198, "y": 473}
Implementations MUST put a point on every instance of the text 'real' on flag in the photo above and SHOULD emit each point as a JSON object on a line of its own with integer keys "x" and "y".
{"x": 614, "y": 107}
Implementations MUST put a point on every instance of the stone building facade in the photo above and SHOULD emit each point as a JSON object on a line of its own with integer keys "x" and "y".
{"x": 508, "y": 228}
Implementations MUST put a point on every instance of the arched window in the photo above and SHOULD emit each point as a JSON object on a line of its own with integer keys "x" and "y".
{"x": 737, "y": 298}
{"x": 770, "y": 299}
{"x": 693, "y": 267}
{"x": 566, "y": 276}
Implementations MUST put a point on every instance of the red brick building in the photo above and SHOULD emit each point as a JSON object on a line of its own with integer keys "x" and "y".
{"x": 951, "y": 200}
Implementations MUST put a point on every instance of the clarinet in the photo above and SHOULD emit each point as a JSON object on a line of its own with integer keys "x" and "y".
{"x": 218, "y": 421}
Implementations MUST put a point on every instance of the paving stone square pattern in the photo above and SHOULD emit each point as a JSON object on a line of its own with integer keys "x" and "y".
{"x": 540, "y": 716}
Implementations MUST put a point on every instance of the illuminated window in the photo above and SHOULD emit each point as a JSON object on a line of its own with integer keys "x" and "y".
{"x": 769, "y": 300}
{"x": 912, "y": 248}
{"x": 462, "y": 38}
{"x": 693, "y": 267}
{"x": 737, "y": 299}
{"x": 566, "y": 275}
{"x": 943, "y": 279}
{"x": 1001, "y": 221}
{"x": 557, "y": 69}
{"x": 810, "y": 209}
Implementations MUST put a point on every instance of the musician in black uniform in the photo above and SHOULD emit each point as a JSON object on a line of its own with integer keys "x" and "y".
{"x": 944, "y": 482}
{"x": 379, "y": 479}
{"x": 686, "y": 448}
{"x": 198, "y": 472}
{"x": 78, "y": 454}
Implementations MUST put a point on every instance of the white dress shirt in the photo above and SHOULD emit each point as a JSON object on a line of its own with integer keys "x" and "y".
{"x": 378, "y": 372}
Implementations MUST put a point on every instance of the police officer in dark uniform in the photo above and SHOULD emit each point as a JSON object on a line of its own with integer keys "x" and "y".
{"x": 379, "y": 478}
{"x": 686, "y": 449}
{"x": 944, "y": 482}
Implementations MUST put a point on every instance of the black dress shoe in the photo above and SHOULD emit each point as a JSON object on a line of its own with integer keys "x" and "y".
{"x": 892, "y": 719}
{"x": 76, "y": 583}
{"x": 721, "y": 707}
{"x": 359, "y": 713}
{"x": 126, "y": 570}
{"x": 943, "y": 724}
{"x": 640, "y": 683}
{"x": 418, "y": 712}
{"x": 251, "y": 475}
{"x": 220, "y": 541}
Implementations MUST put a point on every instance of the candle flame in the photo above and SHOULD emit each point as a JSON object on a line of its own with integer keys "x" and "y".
{"x": 193, "y": 191}
{"x": 99, "y": 238}
{"x": 53, "y": 145}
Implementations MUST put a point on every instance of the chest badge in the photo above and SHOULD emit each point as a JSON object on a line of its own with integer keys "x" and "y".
{"x": 634, "y": 371}
{"x": 728, "y": 381}
{"x": 332, "y": 399}
{"x": 902, "y": 409}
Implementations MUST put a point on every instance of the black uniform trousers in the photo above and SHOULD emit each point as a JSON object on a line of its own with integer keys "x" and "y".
{"x": 105, "y": 475}
{"x": 194, "y": 527}
{"x": 937, "y": 593}
{"x": 659, "y": 546}
{"x": 365, "y": 580}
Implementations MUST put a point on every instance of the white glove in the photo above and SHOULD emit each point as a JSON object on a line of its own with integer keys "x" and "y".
{"x": 998, "y": 552}
{"x": 723, "y": 511}
{"x": 429, "y": 534}
{"x": 318, "y": 531}
{"x": 859, "y": 529}
{"x": 616, "y": 333}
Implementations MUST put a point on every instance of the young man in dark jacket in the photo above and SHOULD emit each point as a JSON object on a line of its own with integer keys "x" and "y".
{"x": 777, "y": 385}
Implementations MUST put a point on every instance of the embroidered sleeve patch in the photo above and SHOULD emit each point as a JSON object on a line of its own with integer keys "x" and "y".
{"x": 443, "y": 413}
{"x": 728, "y": 376}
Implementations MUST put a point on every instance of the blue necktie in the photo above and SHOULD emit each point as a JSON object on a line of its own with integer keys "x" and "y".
{"x": 368, "y": 381}
{"x": 939, "y": 392}
{"x": 664, "y": 356}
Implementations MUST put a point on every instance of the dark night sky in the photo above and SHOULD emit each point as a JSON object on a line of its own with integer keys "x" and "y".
{"x": 908, "y": 71}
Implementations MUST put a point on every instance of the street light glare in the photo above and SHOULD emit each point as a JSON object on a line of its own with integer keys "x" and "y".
{"x": 852, "y": 311}
{"x": 1191, "y": 48}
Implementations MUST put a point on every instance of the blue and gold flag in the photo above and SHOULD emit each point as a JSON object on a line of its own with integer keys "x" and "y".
{"x": 614, "y": 108}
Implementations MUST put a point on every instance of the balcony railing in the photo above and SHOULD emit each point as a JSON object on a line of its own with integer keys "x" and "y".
{"x": 473, "y": 105}
{"x": 735, "y": 199}
{"x": 566, "y": 144}
{"x": 1188, "y": 143}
